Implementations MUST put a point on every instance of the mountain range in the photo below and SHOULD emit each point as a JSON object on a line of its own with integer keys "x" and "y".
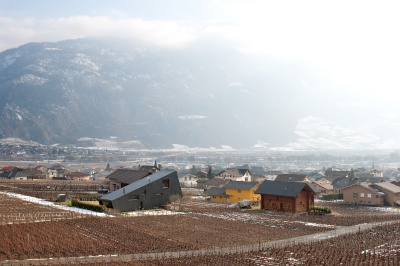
{"x": 209, "y": 96}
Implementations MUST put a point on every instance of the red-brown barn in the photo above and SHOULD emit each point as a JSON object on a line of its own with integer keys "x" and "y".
{"x": 287, "y": 196}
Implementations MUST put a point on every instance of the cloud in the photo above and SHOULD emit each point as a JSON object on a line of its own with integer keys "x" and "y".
{"x": 191, "y": 117}
{"x": 235, "y": 84}
{"x": 15, "y": 32}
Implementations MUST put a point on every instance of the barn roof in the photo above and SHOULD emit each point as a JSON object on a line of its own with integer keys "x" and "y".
{"x": 286, "y": 189}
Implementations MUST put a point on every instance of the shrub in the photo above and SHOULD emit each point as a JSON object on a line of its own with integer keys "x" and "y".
{"x": 96, "y": 208}
{"x": 88, "y": 197}
{"x": 320, "y": 209}
{"x": 333, "y": 197}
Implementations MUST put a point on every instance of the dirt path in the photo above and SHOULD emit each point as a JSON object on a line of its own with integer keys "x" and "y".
{"x": 338, "y": 231}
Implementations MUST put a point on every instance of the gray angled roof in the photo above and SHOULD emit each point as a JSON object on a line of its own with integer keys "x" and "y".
{"x": 291, "y": 177}
{"x": 217, "y": 181}
{"x": 281, "y": 188}
{"x": 126, "y": 176}
{"x": 10, "y": 174}
{"x": 344, "y": 182}
{"x": 241, "y": 185}
{"x": 370, "y": 179}
{"x": 216, "y": 191}
{"x": 387, "y": 186}
{"x": 138, "y": 184}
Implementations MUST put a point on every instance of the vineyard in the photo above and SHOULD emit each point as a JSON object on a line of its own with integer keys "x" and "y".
{"x": 49, "y": 189}
{"x": 31, "y": 231}
{"x": 14, "y": 210}
{"x": 380, "y": 246}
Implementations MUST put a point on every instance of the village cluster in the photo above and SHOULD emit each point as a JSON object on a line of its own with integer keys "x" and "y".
{"x": 149, "y": 186}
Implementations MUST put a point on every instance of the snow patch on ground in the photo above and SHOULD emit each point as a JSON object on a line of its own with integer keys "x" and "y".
{"x": 152, "y": 213}
{"x": 52, "y": 204}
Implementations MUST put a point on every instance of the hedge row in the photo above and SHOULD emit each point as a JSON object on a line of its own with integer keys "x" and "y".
{"x": 88, "y": 197}
{"x": 333, "y": 197}
{"x": 96, "y": 208}
{"x": 320, "y": 209}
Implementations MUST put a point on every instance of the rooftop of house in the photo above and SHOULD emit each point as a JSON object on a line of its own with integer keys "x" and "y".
{"x": 241, "y": 185}
{"x": 344, "y": 182}
{"x": 326, "y": 184}
{"x": 365, "y": 185}
{"x": 285, "y": 189}
{"x": 125, "y": 176}
{"x": 337, "y": 173}
{"x": 216, "y": 191}
{"x": 387, "y": 186}
{"x": 234, "y": 172}
{"x": 217, "y": 181}
{"x": 10, "y": 174}
{"x": 291, "y": 177}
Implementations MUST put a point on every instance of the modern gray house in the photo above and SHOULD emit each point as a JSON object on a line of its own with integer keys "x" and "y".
{"x": 150, "y": 192}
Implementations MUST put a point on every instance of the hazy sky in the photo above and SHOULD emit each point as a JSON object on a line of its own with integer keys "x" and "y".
{"x": 356, "y": 44}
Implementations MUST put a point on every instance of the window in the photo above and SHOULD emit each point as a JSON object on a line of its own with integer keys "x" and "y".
{"x": 214, "y": 197}
{"x": 254, "y": 192}
{"x": 144, "y": 192}
{"x": 158, "y": 194}
{"x": 362, "y": 195}
{"x": 239, "y": 191}
{"x": 220, "y": 197}
{"x": 288, "y": 207}
{"x": 165, "y": 183}
{"x": 369, "y": 195}
{"x": 133, "y": 197}
{"x": 355, "y": 195}
{"x": 377, "y": 196}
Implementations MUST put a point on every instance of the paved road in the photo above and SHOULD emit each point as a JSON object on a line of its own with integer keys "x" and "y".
{"x": 338, "y": 231}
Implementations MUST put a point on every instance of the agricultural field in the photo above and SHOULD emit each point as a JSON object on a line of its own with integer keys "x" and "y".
{"x": 15, "y": 210}
{"x": 30, "y": 230}
{"x": 49, "y": 189}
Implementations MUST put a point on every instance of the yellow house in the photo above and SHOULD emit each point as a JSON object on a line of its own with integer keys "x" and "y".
{"x": 217, "y": 194}
{"x": 239, "y": 190}
{"x": 234, "y": 191}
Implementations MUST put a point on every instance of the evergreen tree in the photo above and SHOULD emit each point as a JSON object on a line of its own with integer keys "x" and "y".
{"x": 108, "y": 168}
{"x": 209, "y": 173}
{"x": 351, "y": 175}
{"x": 193, "y": 170}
